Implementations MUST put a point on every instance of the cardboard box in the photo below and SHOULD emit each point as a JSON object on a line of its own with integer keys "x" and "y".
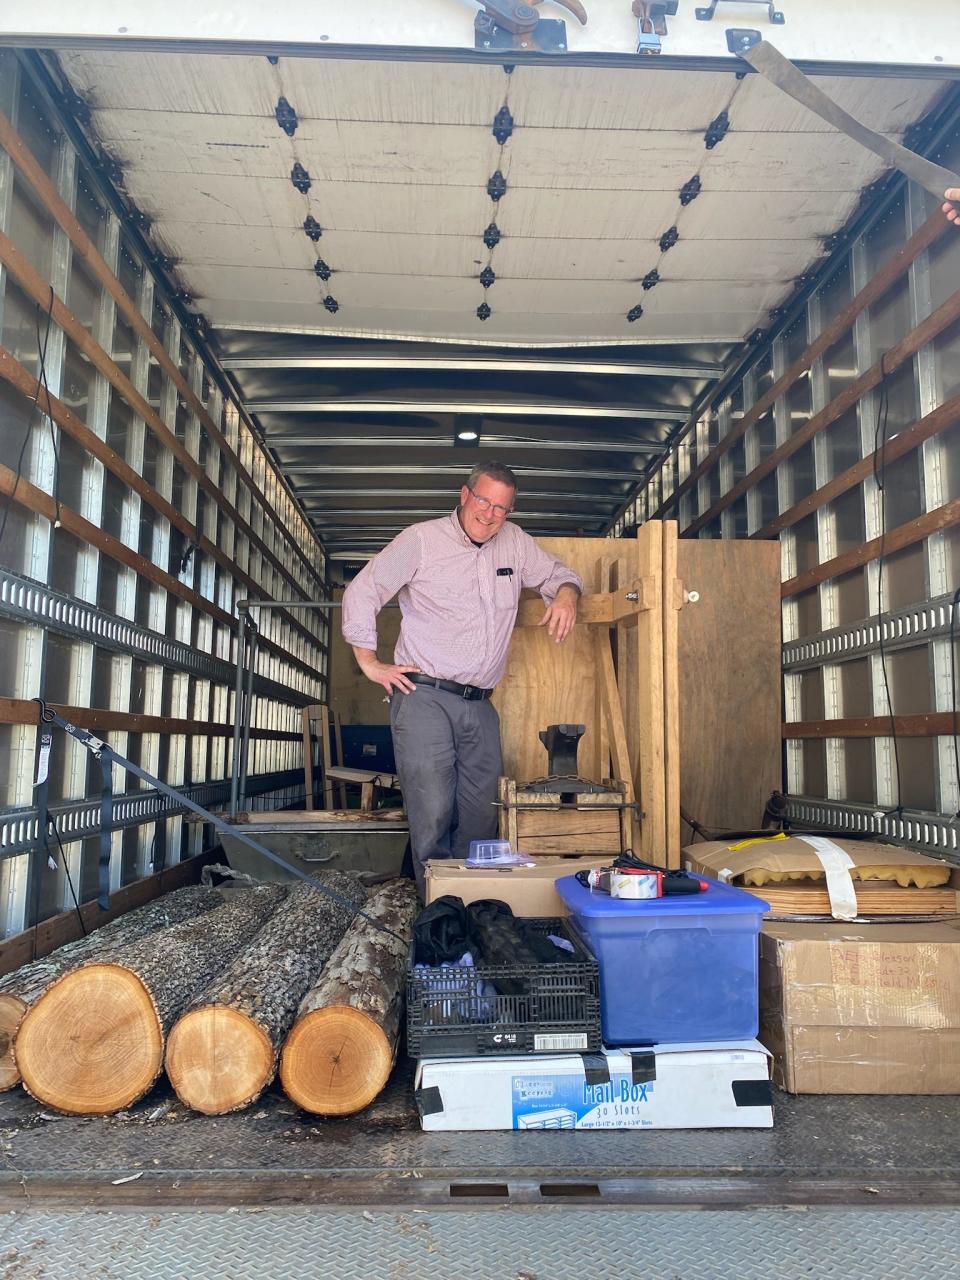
{"x": 871, "y": 1008}
{"x": 818, "y": 875}
{"x": 681, "y": 1086}
{"x": 528, "y": 891}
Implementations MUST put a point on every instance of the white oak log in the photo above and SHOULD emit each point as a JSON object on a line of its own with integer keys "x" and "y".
{"x": 341, "y": 1050}
{"x": 93, "y": 1042}
{"x": 223, "y": 1052}
{"x": 24, "y": 986}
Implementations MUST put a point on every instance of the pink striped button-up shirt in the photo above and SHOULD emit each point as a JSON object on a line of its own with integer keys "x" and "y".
{"x": 458, "y": 611}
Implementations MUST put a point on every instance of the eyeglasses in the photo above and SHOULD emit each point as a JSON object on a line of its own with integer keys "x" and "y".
{"x": 486, "y": 505}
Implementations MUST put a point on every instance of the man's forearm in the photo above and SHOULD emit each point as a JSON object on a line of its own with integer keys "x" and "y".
{"x": 365, "y": 657}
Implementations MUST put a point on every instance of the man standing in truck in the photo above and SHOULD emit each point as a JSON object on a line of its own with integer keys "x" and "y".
{"x": 458, "y": 582}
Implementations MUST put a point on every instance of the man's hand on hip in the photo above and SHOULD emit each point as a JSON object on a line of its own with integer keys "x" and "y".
{"x": 386, "y": 674}
{"x": 561, "y": 616}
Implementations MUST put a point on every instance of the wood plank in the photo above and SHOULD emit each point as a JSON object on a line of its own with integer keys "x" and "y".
{"x": 872, "y": 899}
{"x": 567, "y": 821}
{"x": 338, "y": 742}
{"x": 306, "y": 717}
{"x": 546, "y": 683}
{"x": 888, "y": 363}
{"x": 889, "y": 274}
{"x": 606, "y": 679}
{"x": 934, "y": 724}
{"x": 17, "y": 376}
{"x": 338, "y": 773}
{"x": 729, "y": 680}
{"x": 944, "y": 416}
{"x": 34, "y": 173}
{"x": 640, "y": 669}
{"x": 596, "y": 608}
{"x": 324, "y": 722}
{"x": 26, "y": 711}
{"x": 601, "y": 754}
{"x": 672, "y": 604}
{"x": 904, "y": 535}
{"x": 65, "y": 927}
{"x": 318, "y": 817}
{"x": 583, "y": 843}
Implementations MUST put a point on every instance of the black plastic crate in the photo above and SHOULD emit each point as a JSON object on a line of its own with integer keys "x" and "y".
{"x": 463, "y": 1013}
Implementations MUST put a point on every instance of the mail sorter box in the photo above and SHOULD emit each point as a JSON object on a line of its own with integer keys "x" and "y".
{"x": 680, "y": 1086}
{"x": 862, "y": 1008}
{"x": 528, "y": 891}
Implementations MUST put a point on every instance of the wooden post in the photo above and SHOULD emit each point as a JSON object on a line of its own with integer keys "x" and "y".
{"x": 672, "y": 604}
{"x": 640, "y": 654}
{"x": 307, "y": 714}
{"x": 325, "y": 755}
{"x": 338, "y": 738}
{"x": 602, "y": 741}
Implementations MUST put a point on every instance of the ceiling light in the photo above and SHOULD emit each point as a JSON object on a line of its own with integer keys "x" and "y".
{"x": 468, "y": 435}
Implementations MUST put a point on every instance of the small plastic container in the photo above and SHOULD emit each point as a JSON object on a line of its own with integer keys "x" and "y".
{"x": 492, "y": 853}
{"x": 673, "y": 969}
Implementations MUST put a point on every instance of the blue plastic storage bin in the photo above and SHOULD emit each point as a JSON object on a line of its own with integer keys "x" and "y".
{"x": 672, "y": 969}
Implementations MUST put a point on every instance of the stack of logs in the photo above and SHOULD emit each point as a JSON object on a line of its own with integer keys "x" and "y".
{"x": 217, "y": 988}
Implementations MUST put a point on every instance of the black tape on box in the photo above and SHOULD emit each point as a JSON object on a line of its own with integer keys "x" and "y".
{"x": 753, "y": 1093}
{"x": 429, "y": 1101}
{"x": 643, "y": 1066}
{"x": 595, "y": 1068}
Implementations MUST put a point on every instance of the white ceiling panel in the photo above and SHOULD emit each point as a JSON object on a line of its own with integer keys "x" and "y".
{"x": 505, "y": 328}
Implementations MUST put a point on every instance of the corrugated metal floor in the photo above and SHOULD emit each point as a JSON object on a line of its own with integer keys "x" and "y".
{"x": 516, "y": 1245}
{"x": 831, "y": 1150}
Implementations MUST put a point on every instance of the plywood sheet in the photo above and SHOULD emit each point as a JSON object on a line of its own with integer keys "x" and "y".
{"x": 729, "y": 680}
{"x": 546, "y": 683}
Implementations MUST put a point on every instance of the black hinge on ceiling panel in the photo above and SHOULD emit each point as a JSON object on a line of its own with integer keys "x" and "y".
{"x": 635, "y": 313}
{"x": 503, "y": 124}
{"x": 300, "y": 178}
{"x": 487, "y": 277}
{"x": 483, "y": 311}
{"x": 491, "y": 237}
{"x": 497, "y": 186}
{"x": 322, "y": 270}
{"x": 716, "y": 130}
{"x": 286, "y": 117}
{"x": 739, "y": 40}
{"x": 312, "y": 227}
{"x": 651, "y": 279}
{"x": 669, "y": 239}
{"x": 332, "y": 305}
{"x": 690, "y": 190}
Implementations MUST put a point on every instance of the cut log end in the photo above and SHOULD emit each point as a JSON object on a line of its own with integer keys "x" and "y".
{"x": 92, "y": 1043}
{"x": 335, "y": 1061}
{"x": 12, "y": 1009}
{"x": 218, "y": 1060}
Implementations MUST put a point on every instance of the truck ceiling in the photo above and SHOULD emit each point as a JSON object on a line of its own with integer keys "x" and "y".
{"x": 410, "y": 259}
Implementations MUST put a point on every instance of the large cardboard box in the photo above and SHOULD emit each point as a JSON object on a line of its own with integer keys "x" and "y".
{"x": 676, "y": 1086}
{"x": 872, "y": 1008}
{"x": 528, "y": 891}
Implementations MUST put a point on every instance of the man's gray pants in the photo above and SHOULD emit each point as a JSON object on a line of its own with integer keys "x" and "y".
{"x": 448, "y": 759}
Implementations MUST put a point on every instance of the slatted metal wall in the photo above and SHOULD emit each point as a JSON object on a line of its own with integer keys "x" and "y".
{"x": 842, "y": 439}
{"x": 133, "y": 518}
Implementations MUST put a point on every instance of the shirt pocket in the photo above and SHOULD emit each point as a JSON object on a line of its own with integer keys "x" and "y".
{"x": 506, "y": 590}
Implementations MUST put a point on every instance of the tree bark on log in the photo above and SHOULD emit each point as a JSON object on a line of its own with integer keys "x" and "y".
{"x": 93, "y": 1042}
{"x": 341, "y": 1050}
{"x": 24, "y": 986}
{"x": 222, "y": 1053}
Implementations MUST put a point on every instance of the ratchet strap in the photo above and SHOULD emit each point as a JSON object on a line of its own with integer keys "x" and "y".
{"x": 108, "y": 757}
{"x": 780, "y": 71}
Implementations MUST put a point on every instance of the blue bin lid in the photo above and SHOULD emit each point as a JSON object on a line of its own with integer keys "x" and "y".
{"x": 718, "y": 899}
